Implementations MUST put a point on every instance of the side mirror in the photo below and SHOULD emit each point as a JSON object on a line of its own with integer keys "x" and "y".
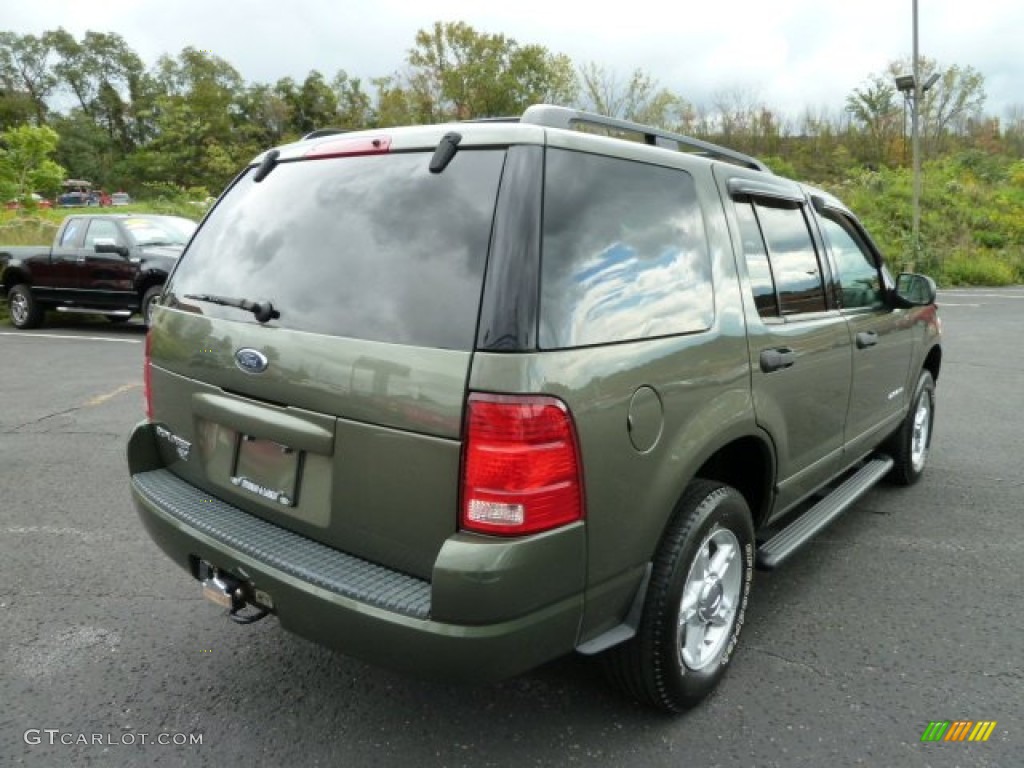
{"x": 107, "y": 245}
{"x": 913, "y": 290}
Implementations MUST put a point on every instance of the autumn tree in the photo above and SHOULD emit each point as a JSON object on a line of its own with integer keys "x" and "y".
{"x": 638, "y": 97}
{"x": 950, "y": 103}
{"x": 355, "y": 106}
{"x": 875, "y": 110}
{"x": 455, "y": 72}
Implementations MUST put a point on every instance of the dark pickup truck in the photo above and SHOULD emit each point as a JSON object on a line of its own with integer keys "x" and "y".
{"x": 113, "y": 265}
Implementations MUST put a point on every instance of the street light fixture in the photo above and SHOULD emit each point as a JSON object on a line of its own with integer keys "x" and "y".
{"x": 905, "y": 85}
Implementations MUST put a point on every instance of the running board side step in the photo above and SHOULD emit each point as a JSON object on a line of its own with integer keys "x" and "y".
{"x": 813, "y": 521}
{"x": 88, "y": 311}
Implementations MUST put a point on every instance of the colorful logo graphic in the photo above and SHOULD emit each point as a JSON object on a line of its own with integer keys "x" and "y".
{"x": 958, "y": 730}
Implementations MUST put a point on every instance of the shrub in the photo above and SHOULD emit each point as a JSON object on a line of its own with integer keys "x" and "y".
{"x": 978, "y": 269}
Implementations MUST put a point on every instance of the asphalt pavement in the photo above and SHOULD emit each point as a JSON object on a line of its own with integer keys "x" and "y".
{"x": 909, "y": 609}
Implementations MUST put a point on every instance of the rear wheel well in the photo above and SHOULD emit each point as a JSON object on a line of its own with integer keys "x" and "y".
{"x": 746, "y": 465}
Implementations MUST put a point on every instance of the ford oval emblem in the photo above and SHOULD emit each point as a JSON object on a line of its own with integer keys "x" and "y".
{"x": 251, "y": 360}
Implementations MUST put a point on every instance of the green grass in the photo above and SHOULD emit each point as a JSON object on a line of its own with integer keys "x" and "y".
{"x": 28, "y": 229}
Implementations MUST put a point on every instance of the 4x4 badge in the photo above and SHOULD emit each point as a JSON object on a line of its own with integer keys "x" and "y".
{"x": 182, "y": 446}
{"x": 251, "y": 360}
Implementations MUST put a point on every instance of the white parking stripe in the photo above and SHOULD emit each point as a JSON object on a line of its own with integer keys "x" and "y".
{"x": 22, "y": 335}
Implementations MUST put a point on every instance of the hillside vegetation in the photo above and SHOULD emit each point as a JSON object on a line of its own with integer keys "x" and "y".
{"x": 179, "y": 129}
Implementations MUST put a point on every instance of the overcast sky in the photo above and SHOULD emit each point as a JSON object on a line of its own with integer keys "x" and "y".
{"x": 791, "y": 54}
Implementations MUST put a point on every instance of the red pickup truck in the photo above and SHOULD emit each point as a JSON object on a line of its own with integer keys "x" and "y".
{"x": 113, "y": 264}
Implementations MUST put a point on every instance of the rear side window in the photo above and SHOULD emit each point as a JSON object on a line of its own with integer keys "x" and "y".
{"x": 758, "y": 268}
{"x": 71, "y": 232}
{"x": 374, "y": 248}
{"x": 794, "y": 259}
{"x": 624, "y": 252}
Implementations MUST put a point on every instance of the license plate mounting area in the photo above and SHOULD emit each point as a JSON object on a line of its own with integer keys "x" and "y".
{"x": 267, "y": 469}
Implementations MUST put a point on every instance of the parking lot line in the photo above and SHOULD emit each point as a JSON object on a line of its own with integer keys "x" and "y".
{"x": 100, "y": 399}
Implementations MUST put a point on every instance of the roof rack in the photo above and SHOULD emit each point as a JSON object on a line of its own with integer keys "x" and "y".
{"x": 325, "y": 132}
{"x": 566, "y": 118}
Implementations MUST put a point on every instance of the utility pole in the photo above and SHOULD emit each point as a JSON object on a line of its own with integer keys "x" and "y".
{"x": 916, "y": 140}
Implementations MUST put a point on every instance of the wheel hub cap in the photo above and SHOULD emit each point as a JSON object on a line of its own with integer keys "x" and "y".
{"x": 921, "y": 433}
{"x": 19, "y": 309}
{"x": 711, "y": 598}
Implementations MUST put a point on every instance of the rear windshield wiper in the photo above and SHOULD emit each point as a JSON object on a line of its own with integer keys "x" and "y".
{"x": 263, "y": 310}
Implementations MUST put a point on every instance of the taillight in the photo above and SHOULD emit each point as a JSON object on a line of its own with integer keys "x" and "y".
{"x": 521, "y": 467}
{"x": 147, "y": 388}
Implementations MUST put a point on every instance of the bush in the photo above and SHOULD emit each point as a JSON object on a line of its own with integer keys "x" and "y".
{"x": 978, "y": 269}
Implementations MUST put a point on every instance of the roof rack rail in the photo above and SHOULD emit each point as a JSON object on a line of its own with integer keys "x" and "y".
{"x": 566, "y": 118}
{"x": 325, "y": 132}
{"x": 498, "y": 119}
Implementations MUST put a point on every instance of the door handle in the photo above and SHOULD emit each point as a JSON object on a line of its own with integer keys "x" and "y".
{"x": 777, "y": 359}
{"x": 866, "y": 339}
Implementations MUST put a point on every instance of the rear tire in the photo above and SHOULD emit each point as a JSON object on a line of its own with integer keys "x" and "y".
{"x": 695, "y": 603}
{"x": 25, "y": 311}
{"x": 910, "y": 445}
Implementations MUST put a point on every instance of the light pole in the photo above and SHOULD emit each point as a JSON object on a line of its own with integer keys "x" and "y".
{"x": 913, "y": 89}
{"x": 916, "y": 148}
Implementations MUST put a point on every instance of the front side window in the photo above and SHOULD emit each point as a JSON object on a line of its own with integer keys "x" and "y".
{"x": 101, "y": 229}
{"x": 858, "y": 275}
{"x": 158, "y": 230}
{"x": 624, "y": 252}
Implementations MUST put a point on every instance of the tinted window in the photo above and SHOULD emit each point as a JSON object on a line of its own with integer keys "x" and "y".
{"x": 858, "y": 275}
{"x": 71, "y": 231}
{"x": 761, "y": 281}
{"x": 372, "y": 247}
{"x": 793, "y": 258}
{"x": 624, "y": 253}
{"x": 159, "y": 230}
{"x": 101, "y": 229}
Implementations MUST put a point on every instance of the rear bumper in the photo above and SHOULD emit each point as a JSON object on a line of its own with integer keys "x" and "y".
{"x": 369, "y": 611}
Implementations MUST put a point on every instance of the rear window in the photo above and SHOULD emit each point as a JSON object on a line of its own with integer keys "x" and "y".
{"x": 374, "y": 248}
{"x": 625, "y": 253}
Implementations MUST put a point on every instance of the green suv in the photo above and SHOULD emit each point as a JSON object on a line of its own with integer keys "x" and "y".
{"x": 462, "y": 399}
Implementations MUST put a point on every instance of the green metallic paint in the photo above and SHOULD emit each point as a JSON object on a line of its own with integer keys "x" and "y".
{"x": 484, "y": 580}
{"x": 411, "y": 388}
{"x": 426, "y": 648}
